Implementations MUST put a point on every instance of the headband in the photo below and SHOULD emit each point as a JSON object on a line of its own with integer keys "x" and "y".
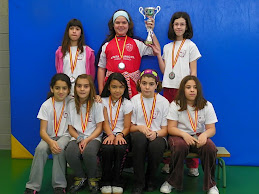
{"x": 150, "y": 71}
{"x": 120, "y": 13}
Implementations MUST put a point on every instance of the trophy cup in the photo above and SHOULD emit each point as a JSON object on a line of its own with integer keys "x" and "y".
{"x": 149, "y": 13}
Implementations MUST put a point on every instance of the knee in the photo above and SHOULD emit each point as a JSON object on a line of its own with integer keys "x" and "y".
{"x": 209, "y": 147}
{"x": 138, "y": 140}
{"x": 107, "y": 148}
{"x": 120, "y": 148}
{"x": 41, "y": 149}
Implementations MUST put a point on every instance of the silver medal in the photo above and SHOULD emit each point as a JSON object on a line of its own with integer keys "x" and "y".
{"x": 121, "y": 66}
{"x": 171, "y": 75}
{"x": 72, "y": 79}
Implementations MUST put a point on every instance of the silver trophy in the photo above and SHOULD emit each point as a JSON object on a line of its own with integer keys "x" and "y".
{"x": 150, "y": 12}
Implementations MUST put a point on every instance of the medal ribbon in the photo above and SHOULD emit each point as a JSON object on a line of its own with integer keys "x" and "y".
{"x": 121, "y": 53}
{"x": 178, "y": 52}
{"x": 73, "y": 64}
{"x": 194, "y": 125}
{"x": 84, "y": 124}
{"x": 57, "y": 124}
{"x": 113, "y": 125}
{"x": 148, "y": 123}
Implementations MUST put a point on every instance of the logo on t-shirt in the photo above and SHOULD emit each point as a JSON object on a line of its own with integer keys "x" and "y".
{"x": 80, "y": 57}
{"x": 129, "y": 47}
{"x": 182, "y": 53}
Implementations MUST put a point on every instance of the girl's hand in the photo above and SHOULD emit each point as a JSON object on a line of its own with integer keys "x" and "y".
{"x": 144, "y": 129}
{"x": 83, "y": 144}
{"x": 202, "y": 140}
{"x": 98, "y": 99}
{"x": 109, "y": 139}
{"x": 189, "y": 139}
{"x": 151, "y": 135}
{"x": 156, "y": 49}
{"x": 119, "y": 140}
{"x": 150, "y": 24}
{"x": 55, "y": 149}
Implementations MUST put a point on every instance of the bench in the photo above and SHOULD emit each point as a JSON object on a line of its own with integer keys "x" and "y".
{"x": 222, "y": 153}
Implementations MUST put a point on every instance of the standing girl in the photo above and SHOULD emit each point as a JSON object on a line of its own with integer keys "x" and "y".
{"x": 179, "y": 60}
{"x": 149, "y": 129}
{"x": 74, "y": 57}
{"x": 122, "y": 52}
{"x": 191, "y": 122}
{"x": 85, "y": 127}
{"x": 53, "y": 116}
{"x": 117, "y": 119}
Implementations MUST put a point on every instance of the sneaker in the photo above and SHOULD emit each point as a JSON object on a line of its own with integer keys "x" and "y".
{"x": 213, "y": 190}
{"x": 78, "y": 184}
{"x": 30, "y": 191}
{"x": 193, "y": 172}
{"x": 106, "y": 190}
{"x": 166, "y": 187}
{"x": 117, "y": 190}
{"x": 165, "y": 169}
{"x": 59, "y": 190}
{"x": 93, "y": 185}
{"x": 136, "y": 190}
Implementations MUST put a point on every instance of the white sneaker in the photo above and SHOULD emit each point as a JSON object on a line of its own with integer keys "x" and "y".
{"x": 106, "y": 190}
{"x": 213, "y": 190}
{"x": 193, "y": 172}
{"x": 165, "y": 169}
{"x": 166, "y": 187}
{"x": 117, "y": 190}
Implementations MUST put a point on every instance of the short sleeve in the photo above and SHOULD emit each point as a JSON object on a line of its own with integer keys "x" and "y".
{"x": 43, "y": 112}
{"x": 210, "y": 115}
{"x": 127, "y": 107}
{"x": 102, "y": 60}
{"x": 194, "y": 52}
{"x": 98, "y": 112}
{"x": 173, "y": 112}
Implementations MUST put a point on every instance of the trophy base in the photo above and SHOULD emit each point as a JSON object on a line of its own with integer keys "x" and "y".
{"x": 148, "y": 42}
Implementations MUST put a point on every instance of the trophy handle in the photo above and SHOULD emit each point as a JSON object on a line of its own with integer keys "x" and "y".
{"x": 141, "y": 11}
{"x": 158, "y": 8}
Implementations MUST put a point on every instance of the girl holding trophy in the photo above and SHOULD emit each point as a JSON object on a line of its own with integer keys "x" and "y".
{"x": 122, "y": 52}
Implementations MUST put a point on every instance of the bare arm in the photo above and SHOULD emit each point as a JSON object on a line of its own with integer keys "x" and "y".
{"x": 193, "y": 67}
{"x": 55, "y": 149}
{"x": 106, "y": 127}
{"x": 210, "y": 132}
{"x": 173, "y": 130}
{"x": 100, "y": 78}
{"x": 119, "y": 137}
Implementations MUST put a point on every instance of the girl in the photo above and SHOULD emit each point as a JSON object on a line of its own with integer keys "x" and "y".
{"x": 179, "y": 60}
{"x": 53, "y": 116}
{"x": 149, "y": 129}
{"x": 191, "y": 122}
{"x": 122, "y": 52}
{"x": 117, "y": 119}
{"x": 74, "y": 57}
{"x": 85, "y": 127}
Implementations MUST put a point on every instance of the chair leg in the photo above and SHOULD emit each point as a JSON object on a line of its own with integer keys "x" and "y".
{"x": 223, "y": 166}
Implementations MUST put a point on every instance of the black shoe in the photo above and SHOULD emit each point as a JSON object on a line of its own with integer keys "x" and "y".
{"x": 93, "y": 185}
{"x": 136, "y": 190}
{"x": 78, "y": 184}
{"x": 30, "y": 191}
{"x": 59, "y": 190}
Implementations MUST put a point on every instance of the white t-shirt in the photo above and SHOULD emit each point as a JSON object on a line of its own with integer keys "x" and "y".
{"x": 160, "y": 113}
{"x": 46, "y": 113}
{"x": 126, "y": 108}
{"x": 80, "y": 65}
{"x": 205, "y": 116}
{"x": 95, "y": 117}
{"x": 188, "y": 53}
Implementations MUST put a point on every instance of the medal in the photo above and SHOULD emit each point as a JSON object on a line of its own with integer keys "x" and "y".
{"x": 171, "y": 75}
{"x": 121, "y": 66}
{"x": 72, "y": 79}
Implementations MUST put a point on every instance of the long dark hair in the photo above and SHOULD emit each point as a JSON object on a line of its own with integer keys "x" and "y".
{"x": 120, "y": 78}
{"x": 112, "y": 33}
{"x": 188, "y": 32}
{"x": 57, "y": 77}
{"x": 92, "y": 93}
{"x": 66, "y": 39}
{"x": 181, "y": 100}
